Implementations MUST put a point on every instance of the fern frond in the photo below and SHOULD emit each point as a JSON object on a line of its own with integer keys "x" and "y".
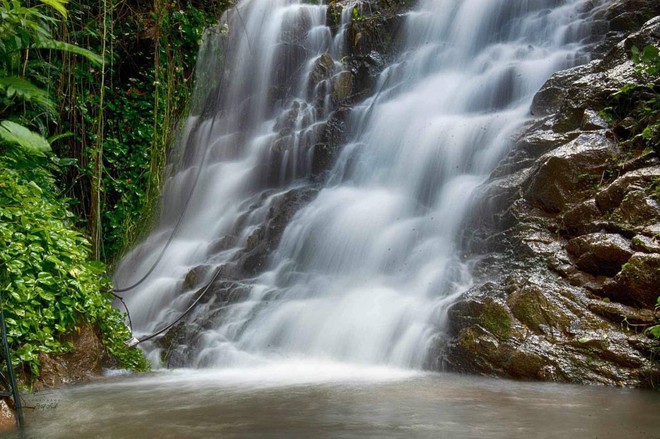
{"x": 18, "y": 135}
{"x": 58, "y": 5}
{"x": 71, "y": 48}
{"x": 23, "y": 89}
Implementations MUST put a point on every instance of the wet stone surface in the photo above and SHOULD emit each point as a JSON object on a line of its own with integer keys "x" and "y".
{"x": 579, "y": 271}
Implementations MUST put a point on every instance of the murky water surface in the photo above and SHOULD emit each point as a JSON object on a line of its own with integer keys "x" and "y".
{"x": 302, "y": 400}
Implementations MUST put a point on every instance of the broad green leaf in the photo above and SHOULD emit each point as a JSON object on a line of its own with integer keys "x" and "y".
{"x": 58, "y": 5}
{"x": 654, "y": 331}
{"x": 71, "y": 48}
{"x": 28, "y": 140}
{"x": 27, "y": 91}
{"x": 650, "y": 54}
{"x": 57, "y": 137}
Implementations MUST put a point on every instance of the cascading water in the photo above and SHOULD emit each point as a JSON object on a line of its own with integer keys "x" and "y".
{"x": 362, "y": 273}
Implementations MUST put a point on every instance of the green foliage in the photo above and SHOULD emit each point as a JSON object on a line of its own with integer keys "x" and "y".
{"x": 71, "y": 48}
{"x": 49, "y": 285}
{"x": 654, "y": 330}
{"x": 58, "y": 5}
{"x": 19, "y": 26}
{"x": 634, "y": 110}
{"x": 16, "y": 134}
{"x": 28, "y": 92}
{"x": 151, "y": 53}
{"x": 150, "y": 94}
{"x": 49, "y": 66}
{"x": 647, "y": 60}
{"x": 130, "y": 121}
{"x": 26, "y": 108}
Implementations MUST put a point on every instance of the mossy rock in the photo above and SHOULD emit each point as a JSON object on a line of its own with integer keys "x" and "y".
{"x": 532, "y": 308}
{"x": 168, "y": 342}
{"x": 525, "y": 364}
{"x": 637, "y": 209}
{"x": 558, "y": 178}
{"x": 195, "y": 276}
{"x": 342, "y": 86}
{"x": 646, "y": 244}
{"x": 483, "y": 349}
{"x": 497, "y": 319}
{"x": 600, "y": 253}
{"x": 637, "y": 282}
{"x": 468, "y": 340}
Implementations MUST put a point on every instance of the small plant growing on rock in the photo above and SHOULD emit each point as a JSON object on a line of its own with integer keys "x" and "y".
{"x": 654, "y": 330}
{"x": 634, "y": 110}
{"x": 647, "y": 60}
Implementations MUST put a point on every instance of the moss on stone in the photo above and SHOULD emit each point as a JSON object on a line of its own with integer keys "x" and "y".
{"x": 532, "y": 308}
{"x": 528, "y": 310}
{"x": 637, "y": 282}
{"x": 496, "y": 319}
{"x": 526, "y": 365}
{"x": 467, "y": 339}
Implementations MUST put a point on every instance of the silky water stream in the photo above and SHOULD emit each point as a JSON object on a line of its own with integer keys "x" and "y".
{"x": 331, "y": 337}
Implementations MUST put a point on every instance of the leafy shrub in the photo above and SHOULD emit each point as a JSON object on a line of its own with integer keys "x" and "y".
{"x": 654, "y": 330}
{"x": 634, "y": 110}
{"x": 49, "y": 286}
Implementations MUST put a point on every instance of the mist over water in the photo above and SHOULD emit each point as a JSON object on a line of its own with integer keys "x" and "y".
{"x": 350, "y": 402}
{"x": 364, "y": 272}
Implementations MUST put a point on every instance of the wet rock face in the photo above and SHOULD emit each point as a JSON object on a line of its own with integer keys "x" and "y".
{"x": 613, "y": 195}
{"x": 370, "y": 43}
{"x": 638, "y": 281}
{"x": 84, "y": 362}
{"x": 545, "y": 329}
{"x": 564, "y": 172}
{"x": 371, "y": 38}
{"x": 218, "y": 286}
{"x": 264, "y": 239}
{"x": 318, "y": 127}
{"x": 600, "y": 253}
{"x": 571, "y": 228}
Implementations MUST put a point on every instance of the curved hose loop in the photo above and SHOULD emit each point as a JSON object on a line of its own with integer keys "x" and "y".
{"x": 174, "y": 230}
{"x": 135, "y": 341}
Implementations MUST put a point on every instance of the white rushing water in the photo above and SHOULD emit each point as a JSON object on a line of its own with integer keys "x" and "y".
{"x": 365, "y": 271}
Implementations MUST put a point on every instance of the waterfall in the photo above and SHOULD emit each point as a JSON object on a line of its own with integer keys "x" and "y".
{"x": 364, "y": 272}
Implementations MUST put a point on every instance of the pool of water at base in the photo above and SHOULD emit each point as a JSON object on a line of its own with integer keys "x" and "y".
{"x": 306, "y": 400}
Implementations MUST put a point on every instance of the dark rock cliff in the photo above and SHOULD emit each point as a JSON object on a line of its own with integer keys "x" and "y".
{"x": 569, "y": 234}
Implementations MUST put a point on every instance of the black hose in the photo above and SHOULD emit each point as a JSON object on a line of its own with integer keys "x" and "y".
{"x": 203, "y": 291}
{"x": 20, "y": 420}
{"x": 174, "y": 230}
{"x": 169, "y": 240}
{"x": 128, "y": 313}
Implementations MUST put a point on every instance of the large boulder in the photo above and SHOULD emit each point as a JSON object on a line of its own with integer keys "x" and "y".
{"x": 265, "y": 238}
{"x": 600, "y": 253}
{"x": 563, "y": 173}
{"x": 583, "y": 218}
{"x": 638, "y": 282}
{"x": 612, "y": 196}
{"x": 544, "y": 329}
